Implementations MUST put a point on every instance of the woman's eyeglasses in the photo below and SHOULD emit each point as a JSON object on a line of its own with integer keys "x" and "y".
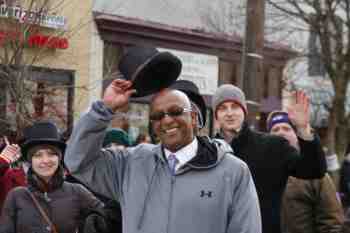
{"x": 172, "y": 112}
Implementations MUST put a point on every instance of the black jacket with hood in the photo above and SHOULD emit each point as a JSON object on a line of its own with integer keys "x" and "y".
{"x": 271, "y": 160}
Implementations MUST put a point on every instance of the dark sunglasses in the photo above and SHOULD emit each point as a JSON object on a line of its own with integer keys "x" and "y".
{"x": 172, "y": 112}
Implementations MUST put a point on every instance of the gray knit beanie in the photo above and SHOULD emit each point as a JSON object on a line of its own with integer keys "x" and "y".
{"x": 229, "y": 92}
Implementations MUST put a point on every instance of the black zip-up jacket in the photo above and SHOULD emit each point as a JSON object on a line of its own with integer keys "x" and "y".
{"x": 271, "y": 160}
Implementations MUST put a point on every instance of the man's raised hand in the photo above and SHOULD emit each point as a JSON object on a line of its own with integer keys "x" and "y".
{"x": 117, "y": 94}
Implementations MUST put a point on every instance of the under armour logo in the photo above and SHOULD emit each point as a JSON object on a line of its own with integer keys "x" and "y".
{"x": 204, "y": 193}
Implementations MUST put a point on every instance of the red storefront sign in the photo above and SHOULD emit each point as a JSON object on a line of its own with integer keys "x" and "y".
{"x": 35, "y": 40}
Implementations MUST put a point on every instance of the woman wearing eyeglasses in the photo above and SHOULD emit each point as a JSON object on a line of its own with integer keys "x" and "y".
{"x": 48, "y": 204}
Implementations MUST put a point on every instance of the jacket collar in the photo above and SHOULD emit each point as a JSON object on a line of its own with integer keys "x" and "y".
{"x": 243, "y": 136}
{"x": 207, "y": 155}
{"x": 241, "y": 139}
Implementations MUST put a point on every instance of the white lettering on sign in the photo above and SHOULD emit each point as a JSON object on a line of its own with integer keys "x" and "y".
{"x": 32, "y": 17}
{"x": 201, "y": 69}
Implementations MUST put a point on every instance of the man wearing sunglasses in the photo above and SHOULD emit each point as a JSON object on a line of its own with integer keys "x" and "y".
{"x": 184, "y": 184}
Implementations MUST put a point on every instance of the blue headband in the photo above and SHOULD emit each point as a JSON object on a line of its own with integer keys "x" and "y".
{"x": 281, "y": 117}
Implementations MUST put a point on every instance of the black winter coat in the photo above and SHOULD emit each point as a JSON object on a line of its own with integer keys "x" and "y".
{"x": 271, "y": 160}
{"x": 344, "y": 183}
{"x": 65, "y": 204}
{"x": 107, "y": 220}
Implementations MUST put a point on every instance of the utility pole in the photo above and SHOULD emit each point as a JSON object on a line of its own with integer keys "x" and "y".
{"x": 252, "y": 58}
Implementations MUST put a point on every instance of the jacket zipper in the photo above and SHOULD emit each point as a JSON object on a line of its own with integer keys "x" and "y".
{"x": 171, "y": 201}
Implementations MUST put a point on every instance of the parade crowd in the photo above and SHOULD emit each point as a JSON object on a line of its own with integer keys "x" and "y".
{"x": 172, "y": 180}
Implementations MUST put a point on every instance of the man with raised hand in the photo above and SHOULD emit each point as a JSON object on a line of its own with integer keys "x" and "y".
{"x": 184, "y": 184}
{"x": 308, "y": 205}
{"x": 271, "y": 159}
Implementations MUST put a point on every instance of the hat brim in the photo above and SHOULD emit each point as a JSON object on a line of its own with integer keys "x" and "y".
{"x": 199, "y": 101}
{"x": 159, "y": 72}
{"x": 30, "y": 143}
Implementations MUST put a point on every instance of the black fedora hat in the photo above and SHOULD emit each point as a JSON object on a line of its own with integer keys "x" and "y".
{"x": 149, "y": 70}
{"x": 192, "y": 91}
{"x": 41, "y": 133}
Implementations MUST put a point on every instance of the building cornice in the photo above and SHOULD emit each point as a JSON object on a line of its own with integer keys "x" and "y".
{"x": 126, "y": 30}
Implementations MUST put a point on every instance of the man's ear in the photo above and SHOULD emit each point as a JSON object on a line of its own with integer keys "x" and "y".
{"x": 195, "y": 122}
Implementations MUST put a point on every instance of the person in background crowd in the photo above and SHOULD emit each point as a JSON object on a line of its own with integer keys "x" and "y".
{"x": 153, "y": 137}
{"x": 116, "y": 138}
{"x": 271, "y": 159}
{"x": 49, "y": 204}
{"x": 10, "y": 177}
{"x": 309, "y": 206}
{"x": 344, "y": 188}
{"x": 184, "y": 184}
{"x": 344, "y": 184}
{"x": 142, "y": 138}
